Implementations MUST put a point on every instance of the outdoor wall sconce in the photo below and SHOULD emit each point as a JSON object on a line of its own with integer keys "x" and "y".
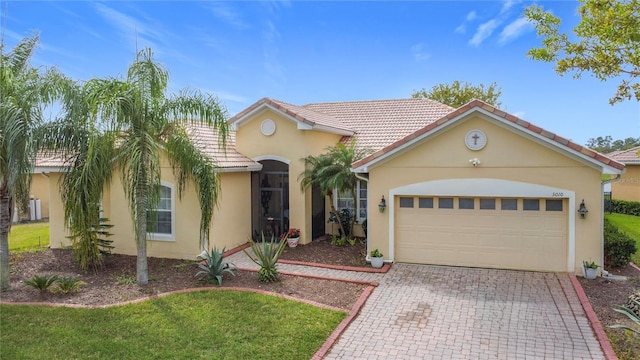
{"x": 582, "y": 210}
{"x": 382, "y": 205}
{"x": 475, "y": 162}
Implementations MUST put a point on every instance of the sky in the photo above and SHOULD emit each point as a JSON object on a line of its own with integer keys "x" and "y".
{"x": 326, "y": 51}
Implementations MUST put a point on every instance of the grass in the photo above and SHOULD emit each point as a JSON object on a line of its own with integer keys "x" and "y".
{"x": 206, "y": 324}
{"x": 28, "y": 237}
{"x": 631, "y": 226}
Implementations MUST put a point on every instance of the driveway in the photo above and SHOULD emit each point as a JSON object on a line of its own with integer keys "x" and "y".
{"x": 439, "y": 312}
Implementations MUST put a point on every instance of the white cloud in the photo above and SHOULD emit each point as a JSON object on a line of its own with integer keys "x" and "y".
{"x": 134, "y": 30}
{"x": 515, "y": 29}
{"x": 270, "y": 51}
{"x": 484, "y": 31}
{"x": 507, "y": 5}
{"x": 472, "y": 16}
{"x": 461, "y": 29}
{"x": 419, "y": 52}
{"x": 227, "y": 14}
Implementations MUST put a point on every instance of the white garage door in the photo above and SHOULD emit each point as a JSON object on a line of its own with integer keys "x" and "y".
{"x": 505, "y": 233}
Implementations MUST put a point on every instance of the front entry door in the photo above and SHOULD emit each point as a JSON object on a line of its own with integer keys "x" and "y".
{"x": 270, "y": 200}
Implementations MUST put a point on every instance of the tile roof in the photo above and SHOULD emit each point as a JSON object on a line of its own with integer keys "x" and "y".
{"x": 629, "y": 156}
{"x": 304, "y": 115}
{"x": 379, "y": 123}
{"x": 229, "y": 159}
{"x": 48, "y": 160}
{"x": 517, "y": 122}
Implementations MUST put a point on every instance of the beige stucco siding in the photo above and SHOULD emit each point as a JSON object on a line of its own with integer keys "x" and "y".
{"x": 628, "y": 187}
{"x": 291, "y": 145}
{"x": 231, "y": 214}
{"x": 507, "y": 156}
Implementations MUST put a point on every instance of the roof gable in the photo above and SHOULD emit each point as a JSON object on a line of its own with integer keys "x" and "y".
{"x": 550, "y": 139}
{"x": 305, "y": 119}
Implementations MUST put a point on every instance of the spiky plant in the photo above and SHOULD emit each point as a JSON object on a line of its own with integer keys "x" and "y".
{"x": 214, "y": 266}
{"x": 68, "y": 285}
{"x": 267, "y": 255}
{"x": 42, "y": 282}
{"x": 631, "y": 310}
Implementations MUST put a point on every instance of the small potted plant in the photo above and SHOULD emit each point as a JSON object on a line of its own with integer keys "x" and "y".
{"x": 377, "y": 259}
{"x": 292, "y": 236}
{"x": 590, "y": 269}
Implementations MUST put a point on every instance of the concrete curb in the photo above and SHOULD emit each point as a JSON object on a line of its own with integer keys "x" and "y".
{"x": 384, "y": 269}
{"x": 602, "y": 337}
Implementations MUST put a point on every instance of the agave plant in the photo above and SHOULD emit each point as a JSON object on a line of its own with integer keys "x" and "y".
{"x": 630, "y": 310}
{"x": 267, "y": 255}
{"x": 42, "y": 282}
{"x": 213, "y": 266}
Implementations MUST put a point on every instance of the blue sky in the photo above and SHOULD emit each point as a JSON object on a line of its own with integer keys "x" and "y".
{"x": 307, "y": 51}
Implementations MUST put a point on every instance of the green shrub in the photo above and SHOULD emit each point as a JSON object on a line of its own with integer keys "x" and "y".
{"x": 125, "y": 279}
{"x": 618, "y": 246}
{"x": 68, "y": 285}
{"x": 213, "y": 266}
{"x": 626, "y": 207}
{"x": 42, "y": 282}
{"x": 267, "y": 255}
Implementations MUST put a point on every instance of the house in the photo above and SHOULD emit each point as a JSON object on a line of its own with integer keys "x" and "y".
{"x": 473, "y": 186}
{"x": 627, "y": 186}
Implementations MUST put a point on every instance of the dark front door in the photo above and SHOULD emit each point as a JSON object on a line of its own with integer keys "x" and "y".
{"x": 270, "y": 200}
{"x": 317, "y": 212}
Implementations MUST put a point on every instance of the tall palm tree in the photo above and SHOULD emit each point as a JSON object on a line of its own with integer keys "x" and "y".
{"x": 133, "y": 123}
{"x": 332, "y": 171}
{"x": 24, "y": 91}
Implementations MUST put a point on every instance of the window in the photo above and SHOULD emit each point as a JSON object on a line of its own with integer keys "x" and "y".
{"x": 345, "y": 201}
{"x": 406, "y": 202}
{"x": 531, "y": 204}
{"x": 160, "y": 221}
{"x": 553, "y": 205}
{"x": 425, "y": 203}
{"x": 445, "y": 203}
{"x": 466, "y": 203}
{"x": 509, "y": 204}
{"x": 487, "y": 204}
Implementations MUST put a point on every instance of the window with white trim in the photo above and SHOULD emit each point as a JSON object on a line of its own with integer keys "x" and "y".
{"x": 161, "y": 221}
{"x": 345, "y": 201}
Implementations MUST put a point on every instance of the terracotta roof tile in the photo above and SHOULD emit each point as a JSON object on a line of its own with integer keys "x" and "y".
{"x": 228, "y": 158}
{"x": 629, "y": 156}
{"x": 379, "y": 123}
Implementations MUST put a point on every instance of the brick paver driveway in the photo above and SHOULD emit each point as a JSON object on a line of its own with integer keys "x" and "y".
{"x": 438, "y": 312}
{"x": 441, "y": 312}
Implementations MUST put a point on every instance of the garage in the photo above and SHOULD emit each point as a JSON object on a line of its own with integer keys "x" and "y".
{"x": 493, "y": 232}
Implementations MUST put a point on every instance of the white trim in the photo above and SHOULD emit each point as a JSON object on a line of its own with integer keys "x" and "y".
{"x": 167, "y": 237}
{"x": 271, "y": 157}
{"x": 233, "y": 169}
{"x": 504, "y": 123}
{"x": 486, "y": 188}
{"x": 49, "y": 169}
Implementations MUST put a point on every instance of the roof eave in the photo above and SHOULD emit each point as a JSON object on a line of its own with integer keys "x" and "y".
{"x": 235, "y": 169}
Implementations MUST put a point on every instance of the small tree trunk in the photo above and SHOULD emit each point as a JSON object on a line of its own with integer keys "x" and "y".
{"x": 333, "y": 210}
{"x": 142, "y": 268}
{"x": 5, "y": 226}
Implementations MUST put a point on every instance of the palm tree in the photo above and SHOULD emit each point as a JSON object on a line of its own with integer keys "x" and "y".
{"x": 332, "y": 171}
{"x": 132, "y": 123}
{"x": 24, "y": 91}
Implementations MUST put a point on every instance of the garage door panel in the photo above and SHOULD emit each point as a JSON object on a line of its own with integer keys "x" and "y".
{"x": 528, "y": 240}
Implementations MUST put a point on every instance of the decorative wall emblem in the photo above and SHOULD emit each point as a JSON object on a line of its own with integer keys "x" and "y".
{"x": 475, "y": 140}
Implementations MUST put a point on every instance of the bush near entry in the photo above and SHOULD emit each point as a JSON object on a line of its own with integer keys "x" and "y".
{"x": 626, "y": 207}
{"x": 618, "y": 246}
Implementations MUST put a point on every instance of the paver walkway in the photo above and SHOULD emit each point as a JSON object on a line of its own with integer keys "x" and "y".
{"x": 440, "y": 312}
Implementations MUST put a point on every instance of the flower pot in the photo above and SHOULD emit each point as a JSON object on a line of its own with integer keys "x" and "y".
{"x": 377, "y": 262}
{"x": 590, "y": 273}
{"x": 293, "y": 242}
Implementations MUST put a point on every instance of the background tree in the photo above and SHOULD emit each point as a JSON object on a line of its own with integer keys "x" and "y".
{"x": 331, "y": 171}
{"x": 457, "y": 94}
{"x": 131, "y": 125}
{"x": 607, "y": 144}
{"x": 24, "y": 92}
{"x": 608, "y": 43}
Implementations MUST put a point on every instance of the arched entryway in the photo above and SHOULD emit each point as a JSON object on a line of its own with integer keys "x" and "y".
{"x": 270, "y": 199}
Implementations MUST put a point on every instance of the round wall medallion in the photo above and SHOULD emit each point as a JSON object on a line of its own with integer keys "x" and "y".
{"x": 268, "y": 127}
{"x": 475, "y": 140}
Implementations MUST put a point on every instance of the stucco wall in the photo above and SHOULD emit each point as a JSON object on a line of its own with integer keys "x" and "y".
{"x": 291, "y": 145}
{"x": 506, "y": 156}
{"x": 231, "y": 215}
{"x": 628, "y": 187}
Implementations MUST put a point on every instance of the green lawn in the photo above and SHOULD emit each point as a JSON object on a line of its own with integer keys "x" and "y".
{"x": 631, "y": 225}
{"x": 28, "y": 237}
{"x": 198, "y": 325}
